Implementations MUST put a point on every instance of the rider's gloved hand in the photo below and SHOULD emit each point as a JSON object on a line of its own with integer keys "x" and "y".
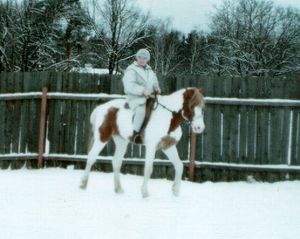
{"x": 147, "y": 93}
{"x": 157, "y": 90}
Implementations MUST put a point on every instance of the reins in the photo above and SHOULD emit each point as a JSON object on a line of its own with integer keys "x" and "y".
{"x": 186, "y": 120}
{"x": 157, "y": 103}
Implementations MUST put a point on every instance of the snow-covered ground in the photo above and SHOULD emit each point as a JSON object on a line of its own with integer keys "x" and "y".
{"x": 48, "y": 204}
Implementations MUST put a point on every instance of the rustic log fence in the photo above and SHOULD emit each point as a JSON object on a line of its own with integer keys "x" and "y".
{"x": 243, "y": 136}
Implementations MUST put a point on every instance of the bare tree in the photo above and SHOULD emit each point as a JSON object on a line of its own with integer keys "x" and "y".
{"x": 120, "y": 25}
{"x": 165, "y": 47}
{"x": 197, "y": 52}
{"x": 255, "y": 38}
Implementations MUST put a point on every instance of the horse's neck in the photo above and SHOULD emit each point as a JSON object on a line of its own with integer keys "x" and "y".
{"x": 173, "y": 101}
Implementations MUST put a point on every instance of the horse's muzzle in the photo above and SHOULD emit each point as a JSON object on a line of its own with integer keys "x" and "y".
{"x": 198, "y": 129}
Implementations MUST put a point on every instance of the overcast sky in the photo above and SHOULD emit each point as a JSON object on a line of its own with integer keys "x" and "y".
{"x": 188, "y": 14}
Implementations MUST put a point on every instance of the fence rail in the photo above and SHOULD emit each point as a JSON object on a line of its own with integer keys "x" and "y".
{"x": 101, "y": 96}
{"x": 263, "y": 132}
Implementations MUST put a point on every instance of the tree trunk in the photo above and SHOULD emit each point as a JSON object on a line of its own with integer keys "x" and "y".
{"x": 111, "y": 64}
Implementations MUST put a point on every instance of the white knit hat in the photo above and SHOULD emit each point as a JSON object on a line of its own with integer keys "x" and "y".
{"x": 143, "y": 53}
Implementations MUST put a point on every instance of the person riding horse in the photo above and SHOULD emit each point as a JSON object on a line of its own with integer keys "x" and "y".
{"x": 139, "y": 82}
{"x": 112, "y": 120}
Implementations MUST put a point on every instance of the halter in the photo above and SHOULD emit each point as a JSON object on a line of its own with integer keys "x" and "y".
{"x": 186, "y": 120}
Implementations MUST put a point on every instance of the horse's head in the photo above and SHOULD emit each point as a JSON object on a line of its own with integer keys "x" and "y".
{"x": 193, "y": 105}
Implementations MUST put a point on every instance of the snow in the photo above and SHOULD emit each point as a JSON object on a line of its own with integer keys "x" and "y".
{"x": 20, "y": 94}
{"x": 208, "y": 99}
{"x": 88, "y": 96}
{"x": 233, "y": 100}
{"x": 98, "y": 71}
{"x": 19, "y": 155}
{"x": 83, "y": 157}
{"x": 89, "y": 69}
{"x": 48, "y": 204}
{"x": 95, "y": 96}
{"x": 62, "y": 23}
{"x": 244, "y": 165}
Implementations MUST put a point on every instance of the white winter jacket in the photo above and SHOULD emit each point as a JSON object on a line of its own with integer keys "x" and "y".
{"x": 136, "y": 80}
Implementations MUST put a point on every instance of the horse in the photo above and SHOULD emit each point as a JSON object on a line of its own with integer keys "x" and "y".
{"x": 112, "y": 120}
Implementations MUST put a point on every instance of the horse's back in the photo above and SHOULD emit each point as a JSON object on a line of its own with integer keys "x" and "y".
{"x": 101, "y": 110}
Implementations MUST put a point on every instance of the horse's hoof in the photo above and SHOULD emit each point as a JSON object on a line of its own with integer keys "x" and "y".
{"x": 83, "y": 187}
{"x": 119, "y": 190}
{"x": 83, "y": 184}
{"x": 145, "y": 194}
{"x": 175, "y": 191}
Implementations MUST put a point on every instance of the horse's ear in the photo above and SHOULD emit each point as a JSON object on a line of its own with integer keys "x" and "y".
{"x": 201, "y": 90}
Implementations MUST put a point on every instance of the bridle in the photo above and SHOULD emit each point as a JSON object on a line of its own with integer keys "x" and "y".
{"x": 186, "y": 119}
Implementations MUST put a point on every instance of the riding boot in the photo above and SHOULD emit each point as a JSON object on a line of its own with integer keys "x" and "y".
{"x": 137, "y": 138}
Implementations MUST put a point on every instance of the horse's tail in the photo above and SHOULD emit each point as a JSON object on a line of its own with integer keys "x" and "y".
{"x": 91, "y": 133}
{"x": 91, "y": 138}
{"x": 92, "y": 117}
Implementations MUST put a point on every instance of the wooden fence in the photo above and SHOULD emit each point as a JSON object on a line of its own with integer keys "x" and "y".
{"x": 242, "y": 134}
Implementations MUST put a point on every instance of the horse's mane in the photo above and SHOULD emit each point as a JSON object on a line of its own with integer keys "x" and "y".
{"x": 194, "y": 97}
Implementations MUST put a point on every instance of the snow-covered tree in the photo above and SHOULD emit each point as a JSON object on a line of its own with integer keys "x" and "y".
{"x": 41, "y": 34}
{"x": 164, "y": 44}
{"x": 254, "y": 37}
{"x": 119, "y": 24}
{"x": 9, "y": 36}
{"x": 197, "y": 53}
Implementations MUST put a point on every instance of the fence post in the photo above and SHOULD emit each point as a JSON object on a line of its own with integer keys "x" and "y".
{"x": 192, "y": 155}
{"x": 41, "y": 147}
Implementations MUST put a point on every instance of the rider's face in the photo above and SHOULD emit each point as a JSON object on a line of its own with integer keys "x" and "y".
{"x": 141, "y": 61}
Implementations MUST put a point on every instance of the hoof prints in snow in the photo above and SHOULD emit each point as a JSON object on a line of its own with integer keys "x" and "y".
{"x": 49, "y": 204}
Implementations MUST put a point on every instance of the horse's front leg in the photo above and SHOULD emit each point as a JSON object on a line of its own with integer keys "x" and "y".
{"x": 173, "y": 156}
{"x": 150, "y": 153}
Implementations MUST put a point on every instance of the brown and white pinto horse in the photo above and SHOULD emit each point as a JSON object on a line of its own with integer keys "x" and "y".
{"x": 113, "y": 120}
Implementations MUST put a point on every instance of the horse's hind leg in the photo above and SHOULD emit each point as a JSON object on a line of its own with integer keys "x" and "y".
{"x": 92, "y": 156}
{"x": 150, "y": 154}
{"x": 121, "y": 146}
{"x": 173, "y": 156}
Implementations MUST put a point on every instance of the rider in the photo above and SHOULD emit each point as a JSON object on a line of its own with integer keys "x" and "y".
{"x": 139, "y": 83}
